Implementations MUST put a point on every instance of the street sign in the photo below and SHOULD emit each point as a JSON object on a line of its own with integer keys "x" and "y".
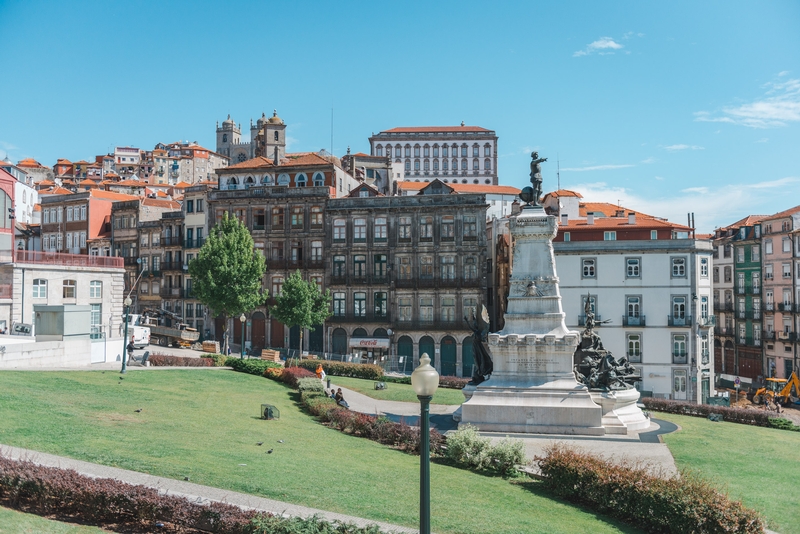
{"x": 737, "y": 382}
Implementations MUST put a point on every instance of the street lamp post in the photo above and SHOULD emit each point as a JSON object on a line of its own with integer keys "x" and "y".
{"x": 242, "y": 319}
{"x": 425, "y": 380}
{"x": 127, "y": 303}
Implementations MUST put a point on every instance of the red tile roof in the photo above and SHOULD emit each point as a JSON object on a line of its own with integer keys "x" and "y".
{"x": 784, "y": 213}
{"x": 102, "y": 194}
{"x": 30, "y": 163}
{"x": 464, "y": 188}
{"x": 290, "y": 160}
{"x": 182, "y": 185}
{"x": 55, "y": 191}
{"x": 158, "y": 203}
{"x": 131, "y": 183}
{"x": 564, "y": 193}
{"x": 425, "y": 129}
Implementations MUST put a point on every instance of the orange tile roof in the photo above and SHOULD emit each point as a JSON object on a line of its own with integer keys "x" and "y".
{"x": 158, "y": 203}
{"x": 30, "y": 163}
{"x": 616, "y": 222}
{"x": 784, "y": 213}
{"x": 464, "y": 188}
{"x": 607, "y": 209}
{"x": 82, "y": 162}
{"x": 102, "y": 194}
{"x": 750, "y": 220}
{"x": 87, "y": 182}
{"x": 290, "y": 160}
{"x": 63, "y": 161}
{"x": 424, "y": 129}
{"x": 46, "y": 182}
{"x": 131, "y": 183}
{"x": 564, "y": 193}
{"x": 181, "y": 185}
{"x": 55, "y": 191}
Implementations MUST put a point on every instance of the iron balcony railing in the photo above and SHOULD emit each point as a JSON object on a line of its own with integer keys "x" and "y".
{"x": 678, "y": 320}
{"x": 172, "y": 292}
{"x": 368, "y": 316}
{"x": 768, "y": 335}
{"x": 435, "y": 324}
{"x": 629, "y": 320}
{"x": 707, "y": 321}
{"x": 723, "y": 306}
{"x": 196, "y": 242}
{"x": 679, "y": 357}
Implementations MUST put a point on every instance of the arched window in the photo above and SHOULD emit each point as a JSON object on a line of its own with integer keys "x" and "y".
{"x": 319, "y": 179}
{"x": 300, "y": 180}
{"x": 276, "y": 136}
{"x": 224, "y": 138}
{"x": 463, "y": 165}
{"x": 268, "y": 179}
{"x": 444, "y": 164}
{"x": 232, "y": 182}
{"x": 249, "y": 181}
{"x": 426, "y": 165}
{"x": 475, "y": 165}
{"x": 436, "y": 165}
{"x": 241, "y": 157}
{"x": 487, "y": 164}
{"x": 283, "y": 179}
{"x": 379, "y": 150}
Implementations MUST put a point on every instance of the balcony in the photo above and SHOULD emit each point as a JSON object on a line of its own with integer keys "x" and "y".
{"x": 436, "y": 324}
{"x": 794, "y": 337}
{"x": 723, "y": 306}
{"x": 194, "y": 243}
{"x": 707, "y": 321}
{"x": 785, "y": 306}
{"x": 679, "y": 357}
{"x": 153, "y": 273}
{"x": 172, "y": 266}
{"x": 784, "y": 335}
{"x": 768, "y": 335}
{"x": 628, "y": 320}
{"x": 723, "y": 331}
{"x": 769, "y": 306}
{"x": 677, "y": 320}
{"x": 174, "y": 241}
{"x": 172, "y": 293}
{"x": 131, "y": 260}
{"x": 368, "y": 317}
{"x": 582, "y": 319}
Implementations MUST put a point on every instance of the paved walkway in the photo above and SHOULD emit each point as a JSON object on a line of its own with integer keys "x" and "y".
{"x": 193, "y": 492}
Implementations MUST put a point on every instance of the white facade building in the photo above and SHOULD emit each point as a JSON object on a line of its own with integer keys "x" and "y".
{"x": 454, "y": 154}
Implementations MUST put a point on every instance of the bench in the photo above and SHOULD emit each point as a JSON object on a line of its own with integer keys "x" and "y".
{"x": 271, "y": 355}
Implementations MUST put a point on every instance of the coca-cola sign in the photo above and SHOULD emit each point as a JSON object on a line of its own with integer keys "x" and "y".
{"x": 369, "y": 342}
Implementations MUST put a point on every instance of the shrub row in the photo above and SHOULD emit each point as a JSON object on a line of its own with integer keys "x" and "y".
{"x": 678, "y": 504}
{"x": 219, "y": 359}
{"x": 783, "y": 424}
{"x": 467, "y": 448}
{"x": 380, "y": 429}
{"x": 450, "y": 382}
{"x": 732, "y": 415}
{"x": 251, "y": 366}
{"x": 291, "y": 375}
{"x": 367, "y": 371}
{"x": 166, "y": 360}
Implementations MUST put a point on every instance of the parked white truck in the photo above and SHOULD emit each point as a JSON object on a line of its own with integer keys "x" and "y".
{"x": 140, "y": 333}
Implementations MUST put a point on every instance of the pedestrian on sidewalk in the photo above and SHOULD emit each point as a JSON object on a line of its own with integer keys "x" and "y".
{"x": 340, "y": 399}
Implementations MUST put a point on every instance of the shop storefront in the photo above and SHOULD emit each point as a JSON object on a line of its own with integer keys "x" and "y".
{"x": 369, "y": 349}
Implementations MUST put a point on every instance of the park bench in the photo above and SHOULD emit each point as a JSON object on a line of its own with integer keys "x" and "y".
{"x": 271, "y": 355}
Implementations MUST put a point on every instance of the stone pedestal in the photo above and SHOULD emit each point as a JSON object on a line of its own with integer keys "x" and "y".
{"x": 620, "y": 412}
{"x": 533, "y": 388}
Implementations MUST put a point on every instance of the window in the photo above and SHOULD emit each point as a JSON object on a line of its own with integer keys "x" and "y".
{"x": 297, "y": 251}
{"x": 190, "y": 206}
{"x": 297, "y": 217}
{"x": 69, "y": 289}
{"x": 755, "y": 253}
{"x": 319, "y": 179}
{"x": 83, "y": 212}
{"x": 704, "y": 267}
{"x": 359, "y": 230}
{"x": 156, "y": 264}
{"x": 276, "y": 250}
{"x": 316, "y": 250}
{"x": 145, "y": 240}
{"x": 300, "y": 180}
{"x": 339, "y": 231}
{"x": 380, "y": 229}
{"x": 436, "y": 165}
{"x": 678, "y": 267}
{"x": 283, "y": 179}
{"x": 404, "y": 308}
{"x": 95, "y": 289}
{"x": 96, "y": 321}
{"x": 144, "y": 288}
{"x": 407, "y": 151}
{"x": 380, "y": 262}
{"x": 316, "y": 216}
{"x": 653, "y": 234}
{"x": 470, "y": 227}
{"x": 679, "y": 348}
{"x": 475, "y": 165}
{"x": 634, "y": 308}
{"x": 567, "y": 237}
{"x": 408, "y": 165}
{"x": 360, "y": 304}
{"x": 339, "y": 266}
{"x": 768, "y": 272}
{"x": 470, "y": 268}
{"x": 199, "y": 205}
{"x": 588, "y": 268}
{"x": 380, "y": 300}
{"x": 463, "y": 151}
{"x": 633, "y": 267}
{"x": 768, "y": 246}
{"x": 463, "y": 165}
{"x": 728, "y": 273}
{"x": 592, "y": 303}
{"x": 277, "y": 218}
{"x": 83, "y": 240}
{"x": 426, "y": 309}
{"x": 416, "y": 151}
{"x": 404, "y": 229}
{"x": 609, "y": 236}
{"x": 405, "y": 268}
{"x": 448, "y": 309}
{"x": 359, "y": 266}
{"x": 444, "y": 152}
{"x": 470, "y": 306}
{"x": 755, "y": 278}
{"x": 634, "y": 343}
{"x": 786, "y": 268}
{"x": 39, "y": 288}
{"x": 448, "y": 267}
{"x": 69, "y": 239}
{"x": 444, "y": 164}
{"x": 426, "y": 228}
{"x": 69, "y": 213}
{"x": 46, "y": 217}
{"x": 448, "y": 228}
{"x": 786, "y": 244}
{"x": 339, "y": 304}
{"x": 426, "y": 267}
{"x": 277, "y": 285}
{"x": 704, "y": 307}
{"x": 678, "y": 311}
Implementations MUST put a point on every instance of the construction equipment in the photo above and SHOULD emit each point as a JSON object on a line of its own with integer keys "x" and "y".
{"x": 181, "y": 335}
{"x": 778, "y": 390}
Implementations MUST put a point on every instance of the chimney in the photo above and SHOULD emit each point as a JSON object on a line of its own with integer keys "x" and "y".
{"x": 564, "y": 219}
{"x": 620, "y": 213}
{"x": 590, "y": 218}
{"x": 631, "y": 218}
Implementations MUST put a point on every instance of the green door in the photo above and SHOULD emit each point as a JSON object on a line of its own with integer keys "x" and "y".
{"x": 405, "y": 350}
{"x": 705, "y": 390}
{"x": 467, "y": 360}
{"x": 427, "y": 346}
{"x": 448, "y": 353}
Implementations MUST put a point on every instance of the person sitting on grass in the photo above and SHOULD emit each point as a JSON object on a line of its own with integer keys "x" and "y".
{"x": 340, "y": 399}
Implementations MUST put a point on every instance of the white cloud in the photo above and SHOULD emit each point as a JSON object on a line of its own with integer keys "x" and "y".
{"x": 712, "y": 206}
{"x": 673, "y": 148}
{"x": 604, "y": 45}
{"x": 779, "y": 105}
{"x": 659, "y": 177}
{"x": 290, "y": 141}
{"x": 649, "y": 160}
{"x": 596, "y": 168}
{"x": 763, "y": 140}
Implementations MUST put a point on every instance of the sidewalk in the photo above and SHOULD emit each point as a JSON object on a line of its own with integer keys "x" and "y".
{"x": 193, "y": 492}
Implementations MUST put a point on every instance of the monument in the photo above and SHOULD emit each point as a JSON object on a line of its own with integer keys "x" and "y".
{"x": 533, "y": 387}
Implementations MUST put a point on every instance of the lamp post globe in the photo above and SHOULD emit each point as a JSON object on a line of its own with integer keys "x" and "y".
{"x": 425, "y": 381}
{"x": 127, "y": 302}
{"x": 242, "y": 319}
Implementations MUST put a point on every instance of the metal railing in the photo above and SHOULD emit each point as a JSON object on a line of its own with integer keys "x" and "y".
{"x": 676, "y": 320}
{"x": 707, "y": 321}
{"x": 368, "y": 317}
{"x": 628, "y": 320}
{"x": 679, "y": 357}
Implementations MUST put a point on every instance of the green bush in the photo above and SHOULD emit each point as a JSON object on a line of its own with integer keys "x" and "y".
{"x": 467, "y": 448}
{"x": 367, "y": 371}
{"x": 219, "y": 359}
{"x": 731, "y": 415}
{"x": 310, "y": 384}
{"x": 264, "y": 524}
{"x": 675, "y": 505}
{"x": 168, "y": 360}
{"x": 506, "y": 456}
{"x": 783, "y": 424}
{"x": 250, "y": 366}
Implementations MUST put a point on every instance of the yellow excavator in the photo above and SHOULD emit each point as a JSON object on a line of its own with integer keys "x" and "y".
{"x": 778, "y": 390}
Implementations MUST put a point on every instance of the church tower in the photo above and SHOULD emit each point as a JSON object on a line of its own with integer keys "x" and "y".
{"x": 227, "y": 136}
{"x": 274, "y": 137}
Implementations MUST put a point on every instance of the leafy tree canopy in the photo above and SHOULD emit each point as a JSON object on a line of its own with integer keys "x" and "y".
{"x": 301, "y": 303}
{"x": 227, "y": 273}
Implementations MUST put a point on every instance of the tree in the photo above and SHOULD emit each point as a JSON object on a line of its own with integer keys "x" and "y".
{"x": 301, "y": 303}
{"x": 227, "y": 273}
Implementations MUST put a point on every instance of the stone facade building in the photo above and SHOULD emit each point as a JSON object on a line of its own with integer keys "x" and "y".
{"x": 454, "y": 154}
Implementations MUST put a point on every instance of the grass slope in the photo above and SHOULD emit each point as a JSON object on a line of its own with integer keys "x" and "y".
{"x": 759, "y": 466}
{"x": 397, "y": 392}
{"x": 13, "y": 522}
{"x": 204, "y": 423}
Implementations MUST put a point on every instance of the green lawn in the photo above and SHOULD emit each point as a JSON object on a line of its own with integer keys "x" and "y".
{"x": 204, "y": 424}
{"x": 397, "y": 392}
{"x": 13, "y": 522}
{"x": 759, "y": 466}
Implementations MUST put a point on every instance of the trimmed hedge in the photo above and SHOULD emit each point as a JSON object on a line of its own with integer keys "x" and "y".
{"x": 219, "y": 359}
{"x": 450, "y": 382}
{"x": 166, "y": 360}
{"x": 251, "y": 366}
{"x": 675, "y": 505}
{"x": 732, "y": 415}
{"x": 367, "y": 371}
{"x": 291, "y": 375}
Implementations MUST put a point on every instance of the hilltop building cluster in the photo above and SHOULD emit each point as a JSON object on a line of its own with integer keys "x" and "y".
{"x": 409, "y": 239}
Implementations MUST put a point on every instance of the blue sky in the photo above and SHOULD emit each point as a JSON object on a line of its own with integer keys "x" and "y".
{"x": 664, "y": 107}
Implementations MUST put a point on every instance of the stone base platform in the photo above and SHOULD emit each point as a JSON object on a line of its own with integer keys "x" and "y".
{"x": 621, "y": 415}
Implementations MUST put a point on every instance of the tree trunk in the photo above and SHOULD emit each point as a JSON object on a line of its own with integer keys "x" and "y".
{"x": 225, "y": 336}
